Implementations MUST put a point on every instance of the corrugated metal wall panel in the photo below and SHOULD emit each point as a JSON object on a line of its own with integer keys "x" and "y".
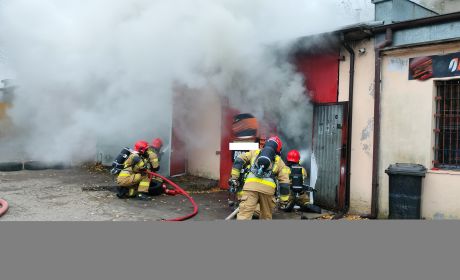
{"x": 423, "y": 34}
{"x": 400, "y": 10}
{"x": 327, "y": 148}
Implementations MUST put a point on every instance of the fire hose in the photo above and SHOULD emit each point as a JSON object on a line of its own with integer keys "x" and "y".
{"x": 180, "y": 191}
{"x": 233, "y": 214}
{"x": 3, "y": 207}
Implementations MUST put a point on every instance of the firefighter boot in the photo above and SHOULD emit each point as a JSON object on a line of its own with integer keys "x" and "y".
{"x": 122, "y": 192}
{"x": 143, "y": 196}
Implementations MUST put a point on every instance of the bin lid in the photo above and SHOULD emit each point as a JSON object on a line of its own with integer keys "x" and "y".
{"x": 406, "y": 169}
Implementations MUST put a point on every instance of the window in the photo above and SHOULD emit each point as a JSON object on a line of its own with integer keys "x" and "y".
{"x": 447, "y": 131}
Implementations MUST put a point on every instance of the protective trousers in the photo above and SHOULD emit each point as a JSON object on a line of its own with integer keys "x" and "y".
{"x": 249, "y": 202}
{"x": 303, "y": 199}
{"x": 132, "y": 180}
{"x": 256, "y": 211}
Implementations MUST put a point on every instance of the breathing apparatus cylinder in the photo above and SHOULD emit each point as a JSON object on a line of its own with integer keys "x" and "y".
{"x": 264, "y": 162}
{"x": 118, "y": 163}
{"x": 296, "y": 179}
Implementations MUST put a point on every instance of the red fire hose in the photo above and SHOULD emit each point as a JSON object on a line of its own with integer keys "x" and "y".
{"x": 181, "y": 191}
{"x": 3, "y": 207}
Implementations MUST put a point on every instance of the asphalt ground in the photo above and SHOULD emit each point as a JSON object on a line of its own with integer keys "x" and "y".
{"x": 82, "y": 194}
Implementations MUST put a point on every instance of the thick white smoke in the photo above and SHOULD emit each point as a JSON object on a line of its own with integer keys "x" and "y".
{"x": 104, "y": 70}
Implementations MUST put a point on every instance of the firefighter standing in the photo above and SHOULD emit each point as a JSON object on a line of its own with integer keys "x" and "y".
{"x": 287, "y": 200}
{"x": 260, "y": 183}
{"x": 134, "y": 174}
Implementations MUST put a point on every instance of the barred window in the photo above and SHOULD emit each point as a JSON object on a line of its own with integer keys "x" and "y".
{"x": 447, "y": 117}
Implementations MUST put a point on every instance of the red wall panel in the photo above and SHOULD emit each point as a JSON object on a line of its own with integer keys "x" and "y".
{"x": 226, "y": 137}
{"x": 321, "y": 72}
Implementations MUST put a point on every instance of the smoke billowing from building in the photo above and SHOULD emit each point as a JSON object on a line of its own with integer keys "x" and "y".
{"x": 104, "y": 71}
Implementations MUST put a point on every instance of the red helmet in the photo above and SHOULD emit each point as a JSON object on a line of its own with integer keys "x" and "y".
{"x": 157, "y": 143}
{"x": 141, "y": 146}
{"x": 293, "y": 156}
{"x": 277, "y": 140}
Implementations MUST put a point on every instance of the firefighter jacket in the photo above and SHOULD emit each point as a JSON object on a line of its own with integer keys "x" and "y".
{"x": 134, "y": 164}
{"x": 153, "y": 159}
{"x": 280, "y": 172}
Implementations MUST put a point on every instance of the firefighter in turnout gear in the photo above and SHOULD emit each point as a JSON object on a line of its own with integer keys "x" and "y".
{"x": 295, "y": 171}
{"x": 153, "y": 155}
{"x": 133, "y": 180}
{"x": 259, "y": 187}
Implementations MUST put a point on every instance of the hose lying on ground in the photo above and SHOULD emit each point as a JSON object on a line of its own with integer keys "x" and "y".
{"x": 233, "y": 214}
{"x": 3, "y": 207}
{"x": 181, "y": 191}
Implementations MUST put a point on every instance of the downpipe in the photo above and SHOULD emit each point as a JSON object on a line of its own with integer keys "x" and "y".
{"x": 180, "y": 191}
{"x": 376, "y": 147}
{"x": 351, "y": 82}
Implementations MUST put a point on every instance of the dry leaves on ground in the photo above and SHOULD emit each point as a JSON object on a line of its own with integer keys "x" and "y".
{"x": 348, "y": 217}
{"x": 94, "y": 167}
{"x": 213, "y": 190}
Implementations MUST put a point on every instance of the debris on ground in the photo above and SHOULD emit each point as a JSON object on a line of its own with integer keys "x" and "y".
{"x": 354, "y": 217}
{"x": 213, "y": 190}
{"x": 348, "y": 217}
{"x": 94, "y": 167}
{"x": 192, "y": 183}
{"x": 97, "y": 188}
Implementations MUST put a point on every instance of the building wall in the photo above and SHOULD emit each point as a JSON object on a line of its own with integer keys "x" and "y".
{"x": 441, "y": 6}
{"x": 3, "y": 119}
{"x": 320, "y": 72}
{"x": 451, "y": 6}
{"x": 391, "y": 11}
{"x": 203, "y": 117}
{"x": 407, "y": 123}
{"x": 362, "y": 130}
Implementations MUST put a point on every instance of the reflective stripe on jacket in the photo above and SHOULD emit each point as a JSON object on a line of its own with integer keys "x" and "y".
{"x": 130, "y": 168}
{"x": 153, "y": 158}
{"x": 263, "y": 185}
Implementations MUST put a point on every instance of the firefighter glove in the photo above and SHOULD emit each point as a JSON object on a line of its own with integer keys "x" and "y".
{"x": 284, "y": 201}
{"x": 234, "y": 184}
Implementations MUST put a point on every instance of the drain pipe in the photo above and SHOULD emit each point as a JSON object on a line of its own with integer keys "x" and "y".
{"x": 376, "y": 147}
{"x": 350, "y": 121}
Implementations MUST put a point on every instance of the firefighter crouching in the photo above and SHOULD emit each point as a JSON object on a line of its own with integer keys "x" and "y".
{"x": 288, "y": 200}
{"x": 260, "y": 183}
{"x": 153, "y": 156}
{"x": 133, "y": 181}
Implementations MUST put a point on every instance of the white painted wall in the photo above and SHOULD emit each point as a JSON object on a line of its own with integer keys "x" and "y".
{"x": 203, "y": 134}
{"x": 407, "y": 135}
{"x": 363, "y": 113}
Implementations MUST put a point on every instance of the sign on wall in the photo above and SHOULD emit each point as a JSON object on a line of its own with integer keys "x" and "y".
{"x": 435, "y": 66}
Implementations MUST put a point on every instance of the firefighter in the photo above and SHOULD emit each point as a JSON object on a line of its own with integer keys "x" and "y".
{"x": 153, "y": 156}
{"x": 287, "y": 200}
{"x": 260, "y": 183}
{"x": 134, "y": 174}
